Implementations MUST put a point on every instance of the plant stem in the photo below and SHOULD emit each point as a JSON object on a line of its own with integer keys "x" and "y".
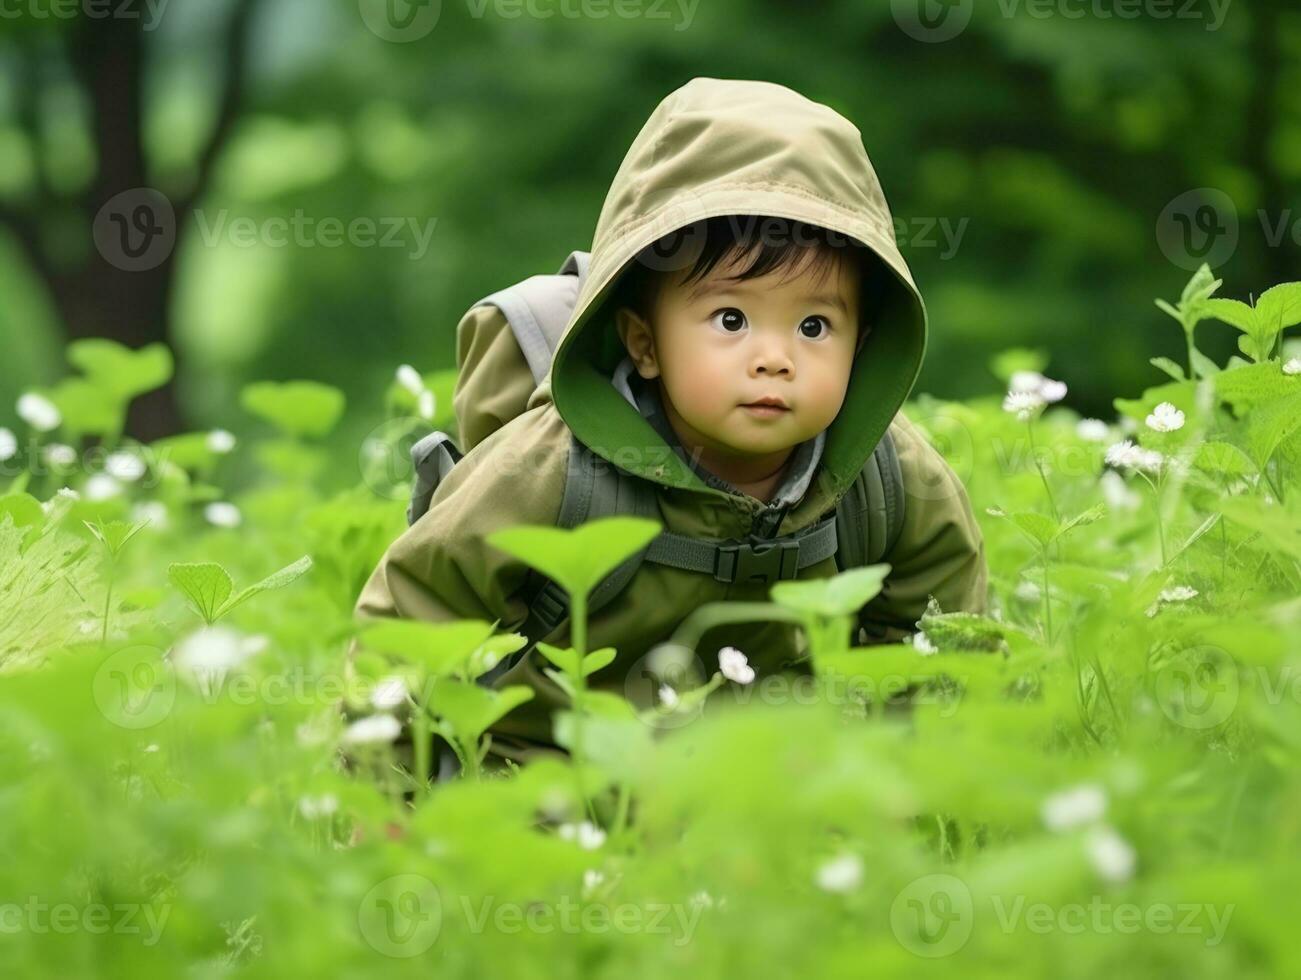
{"x": 422, "y": 736}
{"x": 1048, "y": 600}
{"x": 1034, "y": 456}
{"x": 108, "y": 598}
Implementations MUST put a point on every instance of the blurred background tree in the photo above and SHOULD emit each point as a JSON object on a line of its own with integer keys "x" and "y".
{"x": 1032, "y": 162}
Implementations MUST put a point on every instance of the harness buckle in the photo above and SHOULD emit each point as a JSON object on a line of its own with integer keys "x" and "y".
{"x": 759, "y": 560}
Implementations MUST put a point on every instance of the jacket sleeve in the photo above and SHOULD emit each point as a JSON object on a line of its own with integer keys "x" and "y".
{"x": 441, "y": 568}
{"x": 940, "y": 551}
{"x": 493, "y": 382}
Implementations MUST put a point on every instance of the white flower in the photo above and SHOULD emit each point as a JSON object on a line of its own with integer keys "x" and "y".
{"x": 734, "y": 665}
{"x": 1052, "y": 391}
{"x": 38, "y": 412}
{"x": 1028, "y": 591}
{"x": 222, "y": 514}
{"x": 923, "y": 645}
{"x": 1110, "y": 854}
{"x": 101, "y": 486}
{"x": 372, "y": 730}
{"x": 1074, "y": 807}
{"x": 1176, "y": 593}
{"x": 1092, "y": 430}
{"x": 701, "y": 899}
{"x": 391, "y": 692}
{"x": 8, "y": 445}
{"x": 255, "y": 643}
{"x": 1023, "y": 404}
{"x": 60, "y": 455}
{"x": 668, "y": 697}
{"x": 1136, "y": 457}
{"x": 1165, "y": 418}
{"x": 152, "y": 512}
{"x": 220, "y": 441}
{"x": 209, "y": 653}
{"x": 592, "y": 880}
{"x": 125, "y": 466}
{"x": 426, "y": 405}
{"x": 841, "y": 874}
{"x": 1034, "y": 383}
{"x": 1026, "y": 381}
{"x": 588, "y": 835}
{"x": 1293, "y": 366}
{"x": 1117, "y": 493}
{"x": 409, "y": 378}
{"x": 315, "y": 807}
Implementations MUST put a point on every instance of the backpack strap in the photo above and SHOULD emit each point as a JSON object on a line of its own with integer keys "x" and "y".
{"x": 432, "y": 457}
{"x": 869, "y": 517}
{"x": 538, "y": 310}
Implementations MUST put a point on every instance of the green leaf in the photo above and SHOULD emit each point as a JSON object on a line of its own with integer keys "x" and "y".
{"x": 1169, "y": 367}
{"x": 471, "y": 709}
{"x": 440, "y": 648}
{"x": 297, "y": 408}
{"x": 87, "y": 407}
{"x": 1279, "y": 307}
{"x": 1268, "y": 425}
{"x": 1095, "y": 513}
{"x": 25, "y": 509}
{"x": 840, "y": 595}
{"x": 580, "y": 558}
{"x": 205, "y": 584}
{"x": 1223, "y": 457}
{"x": 275, "y": 580}
{"x": 566, "y": 658}
{"x": 1037, "y": 527}
{"x": 121, "y": 370}
{"x": 1203, "y": 366}
{"x": 115, "y": 534}
{"x": 597, "y": 660}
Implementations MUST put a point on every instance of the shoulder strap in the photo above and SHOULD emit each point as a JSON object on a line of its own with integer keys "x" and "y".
{"x": 869, "y": 517}
{"x": 538, "y": 310}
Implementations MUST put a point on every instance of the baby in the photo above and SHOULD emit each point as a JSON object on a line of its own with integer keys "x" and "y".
{"x": 742, "y": 341}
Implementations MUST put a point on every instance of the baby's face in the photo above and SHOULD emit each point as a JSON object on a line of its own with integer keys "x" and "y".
{"x": 721, "y": 344}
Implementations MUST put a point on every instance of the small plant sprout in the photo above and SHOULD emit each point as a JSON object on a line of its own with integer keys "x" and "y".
{"x": 577, "y": 560}
{"x": 210, "y": 591}
{"x": 1193, "y": 307}
{"x": 1043, "y": 532}
{"x": 446, "y": 659}
{"x": 114, "y": 537}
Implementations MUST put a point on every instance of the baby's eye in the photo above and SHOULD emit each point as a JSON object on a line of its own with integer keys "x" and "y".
{"x": 815, "y": 327}
{"x": 730, "y": 320}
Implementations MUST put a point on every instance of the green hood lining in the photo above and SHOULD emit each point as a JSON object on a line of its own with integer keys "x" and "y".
{"x": 885, "y": 371}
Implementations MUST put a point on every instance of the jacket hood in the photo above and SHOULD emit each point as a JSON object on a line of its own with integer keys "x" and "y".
{"x": 717, "y": 147}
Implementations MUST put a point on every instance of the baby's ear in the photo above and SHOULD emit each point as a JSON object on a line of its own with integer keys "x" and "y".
{"x": 638, "y": 340}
